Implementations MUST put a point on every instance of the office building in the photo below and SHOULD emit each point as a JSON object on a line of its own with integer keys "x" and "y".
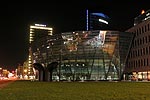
{"x": 142, "y": 17}
{"x": 138, "y": 63}
{"x": 96, "y": 21}
{"x": 38, "y": 34}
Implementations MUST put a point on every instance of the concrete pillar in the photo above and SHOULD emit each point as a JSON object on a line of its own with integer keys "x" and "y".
{"x": 47, "y": 75}
{"x": 40, "y": 75}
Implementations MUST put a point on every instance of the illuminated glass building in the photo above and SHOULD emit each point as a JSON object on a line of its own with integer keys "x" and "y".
{"x": 138, "y": 63}
{"x": 84, "y": 55}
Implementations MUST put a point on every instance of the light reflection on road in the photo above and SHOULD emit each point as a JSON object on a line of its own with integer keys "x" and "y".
{"x": 5, "y": 82}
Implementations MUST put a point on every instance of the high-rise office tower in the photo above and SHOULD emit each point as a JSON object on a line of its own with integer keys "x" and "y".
{"x": 38, "y": 34}
{"x": 142, "y": 17}
{"x": 96, "y": 21}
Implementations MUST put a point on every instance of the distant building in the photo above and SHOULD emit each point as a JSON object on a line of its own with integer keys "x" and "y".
{"x": 97, "y": 21}
{"x": 39, "y": 31}
{"x": 138, "y": 62}
{"x": 38, "y": 34}
{"x": 142, "y": 17}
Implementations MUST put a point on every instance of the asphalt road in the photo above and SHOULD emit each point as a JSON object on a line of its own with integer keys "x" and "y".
{"x": 4, "y": 83}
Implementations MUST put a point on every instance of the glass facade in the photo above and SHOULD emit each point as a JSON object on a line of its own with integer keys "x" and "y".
{"x": 85, "y": 55}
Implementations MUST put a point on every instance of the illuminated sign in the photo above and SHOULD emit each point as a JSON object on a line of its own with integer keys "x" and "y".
{"x": 41, "y": 25}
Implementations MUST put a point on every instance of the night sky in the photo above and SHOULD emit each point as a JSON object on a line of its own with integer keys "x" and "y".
{"x": 15, "y": 19}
